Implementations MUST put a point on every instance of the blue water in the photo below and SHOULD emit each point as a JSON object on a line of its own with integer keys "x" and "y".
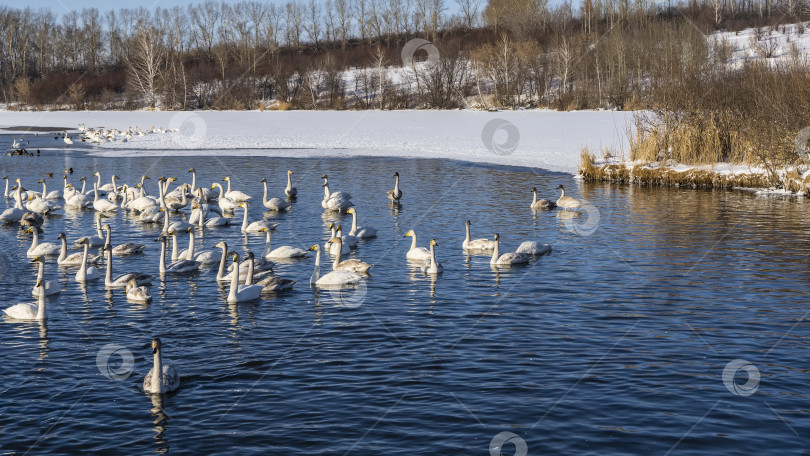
{"x": 615, "y": 343}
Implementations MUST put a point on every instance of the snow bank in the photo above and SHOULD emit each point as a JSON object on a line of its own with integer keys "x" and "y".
{"x": 549, "y": 140}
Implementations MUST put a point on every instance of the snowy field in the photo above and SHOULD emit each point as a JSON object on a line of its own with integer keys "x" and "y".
{"x": 549, "y": 140}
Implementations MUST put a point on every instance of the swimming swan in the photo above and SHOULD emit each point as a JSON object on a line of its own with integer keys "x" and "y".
{"x": 29, "y": 311}
{"x": 541, "y": 204}
{"x": 416, "y": 253}
{"x": 477, "y": 245}
{"x": 285, "y": 251}
{"x": 431, "y": 265}
{"x": 290, "y": 191}
{"x": 507, "y": 259}
{"x": 395, "y": 194}
{"x": 360, "y": 231}
{"x": 86, "y": 273}
{"x": 567, "y": 202}
{"x": 122, "y": 280}
{"x": 139, "y": 294}
{"x": 334, "y": 279}
{"x": 239, "y": 293}
{"x": 161, "y": 378}
{"x": 50, "y": 287}
{"x": 352, "y": 264}
{"x": 274, "y": 204}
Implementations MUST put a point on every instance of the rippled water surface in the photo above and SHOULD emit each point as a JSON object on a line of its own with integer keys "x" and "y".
{"x": 615, "y": 343}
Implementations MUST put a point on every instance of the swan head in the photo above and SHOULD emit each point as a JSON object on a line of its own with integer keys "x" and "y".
{"x": 192, "y": 170}
{"x": 189, "y": 229}
{"x": 497, "y": 237}
{"x": 561, "y": 187}
{"x": 396, "y": 174}
{"x": 324, "y": 177}
{"x": 106, "y": 227}
{"x": 171, "y": 233}
{"x": 41, "y": 181}
{"x": 96, "y": 173}
{"x": 467, "y": 223}
{"x": 146, "y": 178}
{"x": 222, "y": 245}
{"x": 39, "y": 284}
{"x": 264, "y": 180}
{"x": 235, "y": 258}
{"x": 534, "y": 189}
{"x": 155, "y": 345}
{"x": 350, "y": 211}
{"x": 36, "y": 260}
{"x": 5, "y": 177}
{"x": 409, "y": 233}
{"x": 315, "y": 247}
{"x": 213, "y": 186}
{"x": 263, "y": 229}
{"x": 61, "y": 236}
{"x": 289, "y": 171}
{"x": 433, "y": 242}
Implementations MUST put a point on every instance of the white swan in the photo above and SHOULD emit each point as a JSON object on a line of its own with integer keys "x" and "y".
{"x": 56, "y": 194}
{"x": 533, "y": 248}
{"x": 567, "y": 202}
{"x": 334, "y": 279}
{"x": 177, "y": 267}
{"x": 256, "y": 226}
{"x": 477, "y": 245}
{"x": 431, "y": 265}
{"x": 50, "y": 287}
{"x": 122, "y": 280}
{"x": 86, "y": 273}
{"x": 74, "y": 259}
{"x": 29, "y": 311}
{"x": 102, "y": 205}
{"x": 416, "y": 253}
{"x": 271, "y": 283}
{"x": 360, "y": 231}
{"x": 239, "y": 293}
{"x": 285, "y": 251}
{"x": 205, "y": 193}
{"x": 235, "y": 195}
{"x": 120, "y": 249}
{"x": 395, "y": 194}
{"x": 274, "y": 204}
{"x": 290, "y": 191}
{"x": 541, "y": 204}
{"x": 96, "y": 240}
{"x": 41, "y": 206}
{"x": 331, "y": 247}
{"x": 161, "y": 378}
{"x": 348, "y": 239}
{"x": 337, "y": 201}
{"x": 507, "y": 259}
{"x": 202, "y": 256}
{"x": 136, "y": 293}
{"x": 225, "y": 203}
{"x": 44, "y": 249}
{"x": 68, "y": 141}
{"x": 352, "y": 264}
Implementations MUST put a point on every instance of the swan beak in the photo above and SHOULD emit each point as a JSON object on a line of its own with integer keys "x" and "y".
{"x": 35, "y": 260}
{"x": 155, "y": 346}
{"x": 407, "y": 234}
{"x": 313, "y": 247}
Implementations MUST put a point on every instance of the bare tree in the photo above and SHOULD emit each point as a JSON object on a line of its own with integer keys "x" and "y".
{"x": 145, "y": 62}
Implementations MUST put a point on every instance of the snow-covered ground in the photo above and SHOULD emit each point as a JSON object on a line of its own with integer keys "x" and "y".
{"x": 549, "y": 140}
{"x": 785, "y": 44}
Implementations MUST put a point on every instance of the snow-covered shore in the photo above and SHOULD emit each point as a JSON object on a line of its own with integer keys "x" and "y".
{"x": 549, "y": 140}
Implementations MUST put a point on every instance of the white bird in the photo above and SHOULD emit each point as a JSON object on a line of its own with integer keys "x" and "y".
{"x": 285, "y": 251}
{"x": 68, "y": 141}
{"x": 271, "y": 283}
{"x": 476, "y": 245}
{"x": 334, "y": 279}
{"x": 541, "y": 204}
{"x": 44, "y": 249}
{"x": 136, "y": 293}
{"x": 337, "y": 201}
{"x": 431, "y": 265}
{"x": 56, "y": 194}
{"x": 235, "y": 195}
{"x": 29, "y": 311}
{"x": 161, "y": 378}
{"x": 50, "y": 287}
{"x": 256, "y": 226}
{"x": 290, "y": 191}
{"x": 102, "y": 205}
{"x": 331, "y": 247}
{"x": 122, "y": 280}
{"x": 86, "y": 273}
{"x": 274, "y": 204}
{"x": 225, "y": 203}
{"x": 360, "y": 231}
{"x": 74, "y": 259}
{"x": 567, "y": 202}
{"x": 121, "y": 249}
{"x": 507, "y": 259}
{"x": 416, "y": 253}
{"x": 395, "y": 194}
{"x": 96, "y": 240}
{"x": 352, "y": 264}
{"x": 177, "y": 267}
{"x": 533, "y": 248}
{"x": 240, "y": 293}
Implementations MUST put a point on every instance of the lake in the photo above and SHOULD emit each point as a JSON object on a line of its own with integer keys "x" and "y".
{"x": 664, "y": 321}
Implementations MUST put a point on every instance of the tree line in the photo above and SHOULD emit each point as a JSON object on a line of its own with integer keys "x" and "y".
{"x": 339, "y": 54}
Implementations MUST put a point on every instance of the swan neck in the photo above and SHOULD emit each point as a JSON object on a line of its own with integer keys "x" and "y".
{"x": 162, "y": 264}
{"x": 353, "y": 232}
{"x": 413, "y": 241}
{"x": 157, "y": 371}
{"x": 83, "y": 269}
{"x": 234, "y": 281}
{"x": 41, "y": 303}
{"x": 175, "y": 253}
{"x": 264, "y": 197}
{"x": 534, "y": 198}
{"x": 249, "y": 278}
{"x": 62, "y": 251}
{"x": 267, "y": 244}
{"x": 190, "y": 254}
{"x": 221, "y": 270}
{"x": 108, "y": 277}
{"x": 245, "y": 220}
{"x": 495, "y": 252}
{"x": 193, "y": 180}
{"x": 317, "y": 271}
{"x": 339, "y": 243}
{"x": 289, "y": 182}
{"x": 40, "y": 271}
{"x": 467, "y": 239}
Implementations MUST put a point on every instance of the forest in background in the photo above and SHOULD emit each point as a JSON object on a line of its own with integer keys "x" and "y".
{"x": 339, "y": 54}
